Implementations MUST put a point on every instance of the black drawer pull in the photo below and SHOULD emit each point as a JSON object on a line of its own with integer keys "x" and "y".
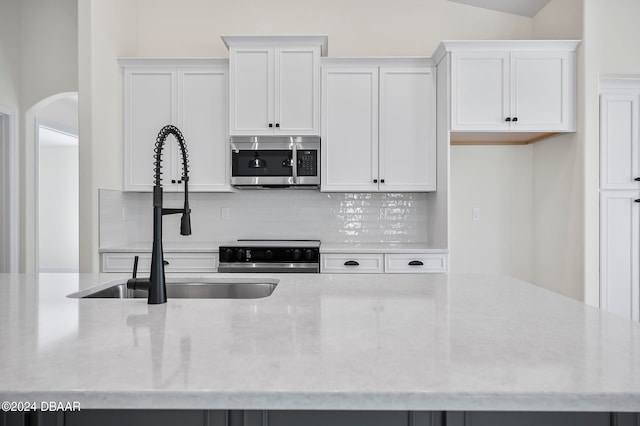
{"x": 637, "y": 179}
{"x": 637, "y": 200}
{"x": 351, "y": 263}
{"x": 416, "y": 263}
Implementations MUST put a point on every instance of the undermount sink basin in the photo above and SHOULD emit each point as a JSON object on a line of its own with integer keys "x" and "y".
{"x": 210, "y": 288}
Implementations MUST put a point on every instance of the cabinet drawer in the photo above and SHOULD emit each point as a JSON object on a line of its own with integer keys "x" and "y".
{"x": 351, "y": 264}
{"x": 406, "y": 263}
{"x": 178, "y": 262}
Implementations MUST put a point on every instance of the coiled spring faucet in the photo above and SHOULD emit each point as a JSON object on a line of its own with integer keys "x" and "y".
{"x": 155, "y": 284}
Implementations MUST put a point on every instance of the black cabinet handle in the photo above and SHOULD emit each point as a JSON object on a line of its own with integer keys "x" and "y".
{"x": 381, "y": 180}
{"x": 515, "y": 118}
{"x": 637, "y": 200}
{"x": 416, "y": 263}
{"x": 176, "y": 181}
{"x": 375, "y": 181}
{"x": 351, "y": 263}
{"x": 164, "y": 262}
{"x": 507, "y": 119}
{"x": 277, "y": 124}
{"x": 637, "y": 179}
{"x": 270, "y": 124}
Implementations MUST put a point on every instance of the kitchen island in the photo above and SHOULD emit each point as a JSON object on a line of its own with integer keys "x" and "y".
{"x": 407, "y": 342}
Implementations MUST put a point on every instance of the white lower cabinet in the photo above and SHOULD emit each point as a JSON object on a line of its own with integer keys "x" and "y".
{"x": 357, "y": 263}
{"x": 401, "y": 263}
{"x": 619, "y": 252}
{"x": 180, "y": 262}
{"x": 379, "y": 263}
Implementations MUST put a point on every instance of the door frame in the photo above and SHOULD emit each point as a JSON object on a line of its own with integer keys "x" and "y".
{"x": 10, "y": 182}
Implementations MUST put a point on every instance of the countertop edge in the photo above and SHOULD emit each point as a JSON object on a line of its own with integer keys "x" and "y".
{"x": 343, "y": 400}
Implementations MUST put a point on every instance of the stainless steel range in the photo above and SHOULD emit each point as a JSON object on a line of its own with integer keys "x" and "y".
{"x": 277, "y": 256}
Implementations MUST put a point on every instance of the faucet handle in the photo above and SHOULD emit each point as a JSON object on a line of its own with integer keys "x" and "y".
{"x": 135, "y": 267}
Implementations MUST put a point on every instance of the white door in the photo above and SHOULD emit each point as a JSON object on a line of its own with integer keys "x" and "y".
{"x": 480, "y": 91}
{"x": 619, "y": 154}
{"x": 297, "y": 91}
{"x": 203, "y": 121}
{"x": 619, "y": 252}
{"x": 407, "y": 147}
{"x": 150, "y": 104}
{"x": 251, "y": 99}
{"x": 349, "y": 129}
{"x": 540, "y": 91}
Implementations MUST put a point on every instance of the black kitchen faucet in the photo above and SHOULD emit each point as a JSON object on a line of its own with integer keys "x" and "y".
{"x": 155, "y": 284}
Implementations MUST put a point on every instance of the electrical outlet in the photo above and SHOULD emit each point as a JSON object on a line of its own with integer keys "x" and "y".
{"x": 224, "y": 213}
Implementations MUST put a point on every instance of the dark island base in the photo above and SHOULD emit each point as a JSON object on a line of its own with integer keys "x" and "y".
{"x": 314, "y": 418}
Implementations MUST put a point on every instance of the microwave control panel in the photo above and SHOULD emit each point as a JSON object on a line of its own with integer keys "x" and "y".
{"x": 307, "y": 162}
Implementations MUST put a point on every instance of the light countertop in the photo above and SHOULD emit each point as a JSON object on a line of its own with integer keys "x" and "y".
{"x": 401, "y": 342}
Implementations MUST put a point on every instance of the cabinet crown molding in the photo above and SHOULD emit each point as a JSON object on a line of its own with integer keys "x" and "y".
{"x": 172, "y": 62}
{"x": 503, "y": 45}
{"x": 280, "y": 40}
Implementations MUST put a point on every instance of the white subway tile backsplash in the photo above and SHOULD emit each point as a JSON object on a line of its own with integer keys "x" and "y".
{"x": 277, "y": 214}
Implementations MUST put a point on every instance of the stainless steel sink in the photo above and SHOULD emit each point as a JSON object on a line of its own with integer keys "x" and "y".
{"x": 210, "y": 288}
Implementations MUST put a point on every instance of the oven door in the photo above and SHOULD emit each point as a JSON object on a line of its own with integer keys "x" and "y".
{"x": 274, "y": 161}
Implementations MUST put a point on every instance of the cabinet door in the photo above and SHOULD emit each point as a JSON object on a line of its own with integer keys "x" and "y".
{"x": 480, "y": 91}
{"x": 619, "y": 151}
{"x": 355, "y": 263}
{"x": 407, "y": 146}
{"x": 349, "y": 153}
{"x": 204, "y": 118}
{"x": 150, "y": 103}
{"x": 542, "y": 91}
{"x": 297, "y": 91}
{"x": 619, "y": 253}
{"x": 251, "y": 99}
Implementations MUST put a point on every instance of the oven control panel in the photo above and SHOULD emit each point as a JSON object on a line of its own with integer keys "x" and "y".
{"x": 269, "y": 254}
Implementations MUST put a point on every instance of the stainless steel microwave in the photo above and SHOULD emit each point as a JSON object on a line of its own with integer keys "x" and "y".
{"x": 275, "y": 161}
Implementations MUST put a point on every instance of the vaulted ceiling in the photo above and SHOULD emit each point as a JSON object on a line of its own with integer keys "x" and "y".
{"x": 518, "y": 7}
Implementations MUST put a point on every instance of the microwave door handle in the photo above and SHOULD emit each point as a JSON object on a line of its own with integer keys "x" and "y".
{"x": 294, "y": 158}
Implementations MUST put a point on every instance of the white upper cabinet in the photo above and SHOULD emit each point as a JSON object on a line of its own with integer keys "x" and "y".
{"x": 517, "y": 86}
{"x": 378, "y": 126}
{"x": 619, "y": 143}
{"x": 349, "y": 152}
{"x": 480, "y": 91}
{"x": 407, "y": 129}
{"x": 193, "y": 96}
{"x": 275, "y": 84}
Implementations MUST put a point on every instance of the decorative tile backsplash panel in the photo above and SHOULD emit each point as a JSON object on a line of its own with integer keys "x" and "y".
{"x": 272, "y": 214}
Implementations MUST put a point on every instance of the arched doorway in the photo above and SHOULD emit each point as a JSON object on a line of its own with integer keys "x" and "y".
{"x": 52, "y": 185}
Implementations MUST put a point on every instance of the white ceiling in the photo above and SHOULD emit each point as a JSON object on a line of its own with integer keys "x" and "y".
{"x": 518, "y": 7}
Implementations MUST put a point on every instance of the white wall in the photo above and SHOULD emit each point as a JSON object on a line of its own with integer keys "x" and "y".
{"x": 9, "y": 53}
{"x": 163, "y": 28}
{"x": 38, "y": 59}
{"x": 558, "y": 256}
{"x": 611, "y": 33}
{"x": 499, "y": 181}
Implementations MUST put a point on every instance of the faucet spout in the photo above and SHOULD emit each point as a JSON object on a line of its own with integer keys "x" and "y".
{"x": 156, "y": 283}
